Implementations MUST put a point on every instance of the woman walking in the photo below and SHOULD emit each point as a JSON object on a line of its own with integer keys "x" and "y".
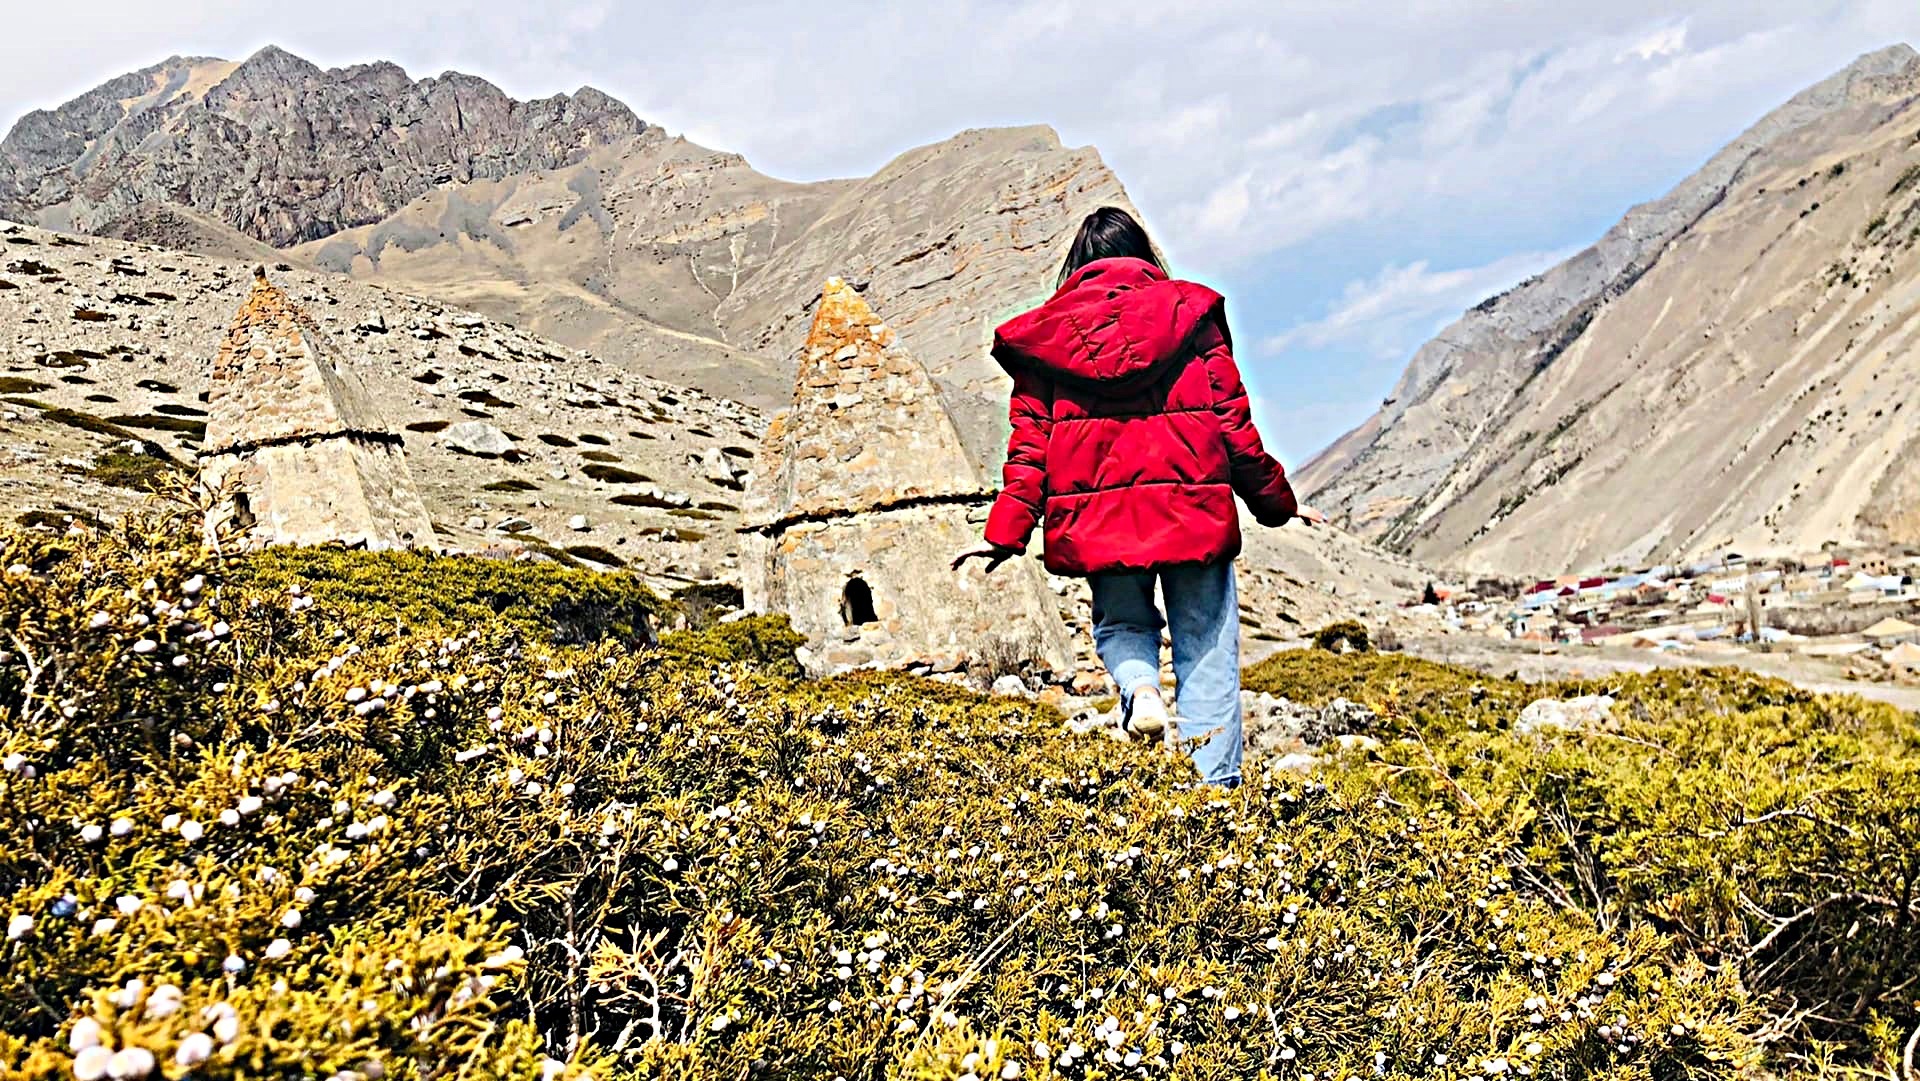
{"x": 1131, "y": 436}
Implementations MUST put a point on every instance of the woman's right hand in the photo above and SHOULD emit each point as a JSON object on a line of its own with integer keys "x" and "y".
{"x": 992, "y": 553}
{"x": 1309, "y": 516}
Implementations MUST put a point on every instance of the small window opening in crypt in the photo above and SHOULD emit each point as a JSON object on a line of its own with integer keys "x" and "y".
{"x": 242, "y": 511}
{"x": 856, "y": 603}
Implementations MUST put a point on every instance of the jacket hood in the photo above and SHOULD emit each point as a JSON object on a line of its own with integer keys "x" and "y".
{"x": 1114, "y": 320}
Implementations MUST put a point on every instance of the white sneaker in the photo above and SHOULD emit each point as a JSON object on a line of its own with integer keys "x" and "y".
{"x": 1147, "y": 719}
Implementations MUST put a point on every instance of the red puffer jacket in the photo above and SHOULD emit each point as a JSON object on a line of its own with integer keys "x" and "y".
{"x": 1131, "y": 429}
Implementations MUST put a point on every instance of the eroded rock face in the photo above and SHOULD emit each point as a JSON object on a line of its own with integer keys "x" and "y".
{"x": 950, "y": 240}
{"x": 657, "y": 248}
{"x": 862, "y": 494}
{"x": 1651, "y": 356}
{"x": 280, "y": 149}
{"x": 568, "y": 217}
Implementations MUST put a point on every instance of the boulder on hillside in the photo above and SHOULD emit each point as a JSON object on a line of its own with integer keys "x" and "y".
{"x": 1010, "y": 686}
{"x": 1278, "y": 727}
{"x": 478, "y": 438}
{"x": 718, "y": 468}
{"x": 1585, "y": 713}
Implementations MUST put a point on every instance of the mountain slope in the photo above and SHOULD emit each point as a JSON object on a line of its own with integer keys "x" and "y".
{"x": 628, "y": 252}
{"x": 170, "y": 225}
{"x": 280, "y": 149}
{"x": 567, "y": 217}
{"x": 1642, "y": 400}
{"x": 102, "y": 341}
{"x": 686, "y": 262}
{"x": 98, "y": 335}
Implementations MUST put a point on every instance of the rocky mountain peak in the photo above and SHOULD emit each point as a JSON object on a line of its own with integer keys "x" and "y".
{"x": 282, "y": 150}
{"x": 1899, "y": 61}
{"x": 272, "y": 58}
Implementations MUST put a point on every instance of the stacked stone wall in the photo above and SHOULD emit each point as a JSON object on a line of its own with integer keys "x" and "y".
{"x": 294, "y": 447}
{"x": 863, "y": 495}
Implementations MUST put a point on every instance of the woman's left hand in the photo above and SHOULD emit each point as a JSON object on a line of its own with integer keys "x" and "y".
{"x": 1309, "y": 516}
{"x": 992, "y": 553}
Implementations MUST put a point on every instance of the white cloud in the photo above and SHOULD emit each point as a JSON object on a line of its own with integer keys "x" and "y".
{"x": 1226, "y": 208}
{"x": 1194, "y": 123}
{"x": 1387, "y": 315}
{"x": 1662, "y": 42}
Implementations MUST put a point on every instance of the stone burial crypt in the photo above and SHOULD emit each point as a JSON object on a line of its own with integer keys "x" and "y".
{"x": 863, "y": 493}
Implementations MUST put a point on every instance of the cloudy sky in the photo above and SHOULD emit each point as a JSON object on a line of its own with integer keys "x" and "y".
{"x": 1351, "y": 174}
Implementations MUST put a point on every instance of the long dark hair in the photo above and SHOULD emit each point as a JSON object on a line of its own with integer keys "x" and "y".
{"x": 1108, "y": 233}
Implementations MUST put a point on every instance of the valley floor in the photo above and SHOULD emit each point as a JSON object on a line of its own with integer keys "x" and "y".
{"x": 1526, "y": 661}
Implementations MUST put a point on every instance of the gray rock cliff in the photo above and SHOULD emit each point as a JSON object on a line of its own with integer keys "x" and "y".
{"x": 280, "y": 149}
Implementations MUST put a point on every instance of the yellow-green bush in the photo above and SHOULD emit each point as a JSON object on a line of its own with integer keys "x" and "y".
{"x": 1768, "y": 831}
{"x": 350, "y": 837}
{"x": 122, "y": 469}
{"x": 1345, "y": 636}
{"x": 410, "y": 592}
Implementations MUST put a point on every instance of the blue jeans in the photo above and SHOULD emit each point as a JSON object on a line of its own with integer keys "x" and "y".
{"x": 1203, "y": 612}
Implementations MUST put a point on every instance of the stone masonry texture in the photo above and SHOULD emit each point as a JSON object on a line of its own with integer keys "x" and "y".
{"x": 862, "y": 494}
{"x": 294, "y": 444}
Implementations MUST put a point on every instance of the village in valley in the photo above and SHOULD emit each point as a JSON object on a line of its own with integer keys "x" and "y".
{"x": 1853, "y": 611}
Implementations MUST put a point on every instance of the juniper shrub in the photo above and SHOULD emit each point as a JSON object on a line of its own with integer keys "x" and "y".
{"x": 353, "y": 832}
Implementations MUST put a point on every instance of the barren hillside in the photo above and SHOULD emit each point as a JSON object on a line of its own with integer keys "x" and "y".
{"x": 106, "y": 345}
{"x": 103, "y": 341}
{"x": 1729, "y": 366}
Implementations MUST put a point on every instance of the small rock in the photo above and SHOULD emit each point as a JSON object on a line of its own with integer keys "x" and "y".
{"x": 1298, "y": 761}
{"x": 578, "y": 523}
{"x": 476, "y": 522}
{"x": 1278, "y": 727}
{"x": 718, "y": 468}
{"x": 1585, "y": 712}
{"x": 373, "y": 322}
{"x": 478, "y": 438}
{"x": 1088, "y": 719}
{"x": 664, "y": 497}
{"x": 513, "y": 525}
{"x": 1086, "y": 683}
{"x": 1009, "y": 686}
{"x": 1338, "y": 718}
